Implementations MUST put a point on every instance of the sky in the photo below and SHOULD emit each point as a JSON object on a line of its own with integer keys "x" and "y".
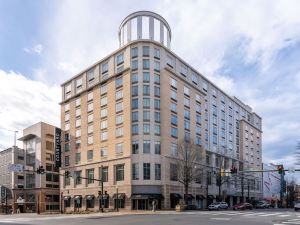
{"x": 250, "y": 49}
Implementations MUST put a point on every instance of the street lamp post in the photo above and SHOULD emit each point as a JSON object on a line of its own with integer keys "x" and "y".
{"x": 117, "y": 201}
{"x": 101, "y": 188}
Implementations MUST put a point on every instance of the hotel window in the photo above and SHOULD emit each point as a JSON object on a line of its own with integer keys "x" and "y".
{"x": 120, "y": 59}
{"x": 187, "y": 125}
{"x": 77, "y": 158}
{"x": 77, "y": 133}
{"x": 103, "y": 152}
{"x": 119, "y": 131}
{"x": 198, "y": 130}
{"x": 134, "y": 103}
{"x": 146, "y": 103}
{"x": 174, "y": 150}
{"x": 194, "y": 79}
{"x": 156, "y": 79}
{"x": 90, "y": 76}
{"x": 90, "y": 118}
{"x": 90, "y": 96}
{"x": 79, "y": 84}
{"x": 134, "y": 52}
{"x": 104, "y": 136}
{"x": 135, "y": 171}
{"x": 215, "y": 139}
{"x": 119, "y": 148}
{"x": 187, "y": 136}
{"x": 135, "y": 129}
{"x": 198, "y": 98}
{"x": 119, "y": 119}
{"x": 146, "y": 90}
{"x": 67, "y": 107}
{"x": 173, "y": 107}
{"x": 173, "y": 172}
{"x": 103, "y": 124}
{"x": 186, "y": 91}
{"x": 103, "y": 113}
{"x": 174, "y": 132}
{"x": 186, "y": 114}
{"x": 67, "y": 117}
{"x": 104, "y": 67}
{"x": 186, "y": 102}
{"x": 135, "y": 116}
{"x": 77, "y": 143}
{"x": 67, "y": 137}
{"x": 90, "y": 129}
{"x": 146, "y": 128}
{"x": 67, "y": 160}
{"x": 90, "y": 107}
{"x": 146, "y": 51}
{"x": 134, "y": 65}
{"x": 67, "y": 126}
{"x": 173, "y": 83}
{"x": 157, "y": 149}
{"x": 119, "y": 95}
{"x": 103, "y": 89}
{"x": 119, "y": 107}
{"x": 170, "y": 61}
{"x": 215, "y": 129}
{"x": 135, "y": 147}
{"x": 90, "y": 155}
{"x": 198, "y": 140}
{"x": 119, "y": 172}
{"x": 68, "y": 91}
{"x": 146, "y": 115}
{"x": 156, "y": 53}
{"x": 146, "y": 64}
{"x": 119, "y": 82}
{"x": 78, "y": 102}
{"x": 156, "y": 66}
{"x": 146, "y": 77}
{"x": 198, "y": 108}
{"x": 183, "y": 70}
{"x": 157, "y": 171}
{"x": 103, "y": 173}
{"x": 146, "y": 169}
{"x": 78, "y": 123}
{"x": 67, "y": 147}
{"x": 134, "y": 78}
{"x": 205, "y": 86}
{"x": 173, "y": 95}
{"x": 157, "y": 117}
{"x": 214, "y": 109}
{"x": 156, "y": 91}
{"x": 90, "y": 176}
{"x": 156, "y": 103}
{"x": 146, "y": 147}
{"x": 103, "y": 101}
{"x": 198, "y": 119}
{"x": 134, "y": 91}
{"x": 174, "y": 120}
{"x": 157, "y": 129}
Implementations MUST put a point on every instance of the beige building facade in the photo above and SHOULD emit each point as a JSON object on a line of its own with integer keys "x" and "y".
{"x": 125, "y": 116}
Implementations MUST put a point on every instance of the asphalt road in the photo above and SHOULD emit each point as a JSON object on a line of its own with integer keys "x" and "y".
{"x": 228, "y": 217}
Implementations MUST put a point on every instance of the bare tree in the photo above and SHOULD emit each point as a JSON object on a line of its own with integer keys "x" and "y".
{"x": 298, "y": 154}
{"x": 188, "y": 164}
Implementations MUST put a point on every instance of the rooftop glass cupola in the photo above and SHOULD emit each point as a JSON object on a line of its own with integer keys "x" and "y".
{"x": 145, "y": 25}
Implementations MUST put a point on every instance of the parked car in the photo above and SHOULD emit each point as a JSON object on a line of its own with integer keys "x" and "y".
{"x": 263, "y": 205}
{"x": 297, "y": 205}
{"x": 242, "y": 206}
{"x": 218, "y": 206}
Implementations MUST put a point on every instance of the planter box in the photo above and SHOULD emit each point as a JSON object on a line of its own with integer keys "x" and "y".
{"x": 180, "y": 208}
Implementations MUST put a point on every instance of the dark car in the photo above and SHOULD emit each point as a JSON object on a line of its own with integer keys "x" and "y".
{"x": 242, "y": 206}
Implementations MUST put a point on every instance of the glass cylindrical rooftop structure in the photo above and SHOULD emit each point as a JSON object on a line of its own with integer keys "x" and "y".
{"x": 145, "y": 25}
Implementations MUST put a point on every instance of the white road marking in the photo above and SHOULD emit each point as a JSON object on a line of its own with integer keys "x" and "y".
{"x": 220, "y": 218}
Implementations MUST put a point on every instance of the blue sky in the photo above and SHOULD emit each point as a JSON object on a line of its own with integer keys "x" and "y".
{"x": 251, "y": 49}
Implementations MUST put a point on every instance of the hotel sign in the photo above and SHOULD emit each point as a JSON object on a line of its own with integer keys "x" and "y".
{"x": 57, "y": 147}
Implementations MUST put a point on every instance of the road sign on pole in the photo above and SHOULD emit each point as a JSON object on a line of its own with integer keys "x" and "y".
{"x": 16, "y": 168}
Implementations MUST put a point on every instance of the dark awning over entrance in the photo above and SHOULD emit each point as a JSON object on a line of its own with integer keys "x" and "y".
{"x": 77, "y": 197}
{"x": 211, "y": 196}
{"x": 90, "y": 197}
{"x": 200, "y": 197}
{"x": 188, "y": 196}
{"x": 175, "y": 195}
{"x": 120, "y": 196}
{"x": 105, "y": 196}
{"x": 67, "y": 197}
{"x": 146, "y": 196}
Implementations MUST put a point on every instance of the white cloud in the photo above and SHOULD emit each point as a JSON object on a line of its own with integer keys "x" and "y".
{"x": 35, "y": 49}
{"x": 23, "y": 103}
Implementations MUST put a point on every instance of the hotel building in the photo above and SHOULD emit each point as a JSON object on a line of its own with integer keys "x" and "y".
{"x": 124, "y": 117}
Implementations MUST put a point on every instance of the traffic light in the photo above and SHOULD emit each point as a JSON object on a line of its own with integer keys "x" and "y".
{"x": 233, "y": 170}
{"x": 222, "y": 173}
{"x": 40, "y": 170}
{"x": 67, "y": 174}
{"x": 280, "y": 169}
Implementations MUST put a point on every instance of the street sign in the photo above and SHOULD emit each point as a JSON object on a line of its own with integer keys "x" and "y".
{"x": 16, "y": 168}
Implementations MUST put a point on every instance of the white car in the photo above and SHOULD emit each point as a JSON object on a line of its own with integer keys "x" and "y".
{"x": 297, "y": 205}
{"x": 218, "y": 206}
